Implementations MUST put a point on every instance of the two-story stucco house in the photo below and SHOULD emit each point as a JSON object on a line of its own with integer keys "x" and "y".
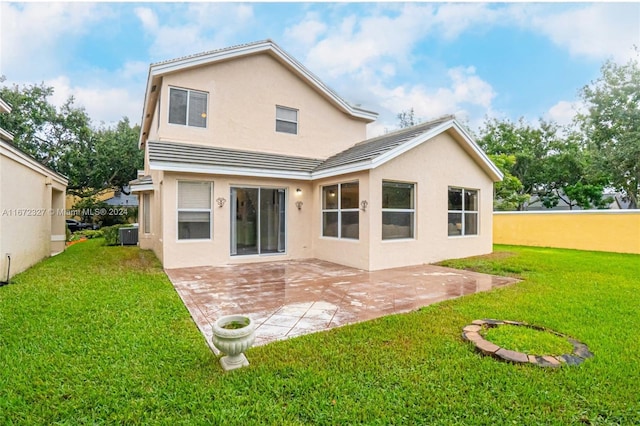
{"x": 249, "y": 157}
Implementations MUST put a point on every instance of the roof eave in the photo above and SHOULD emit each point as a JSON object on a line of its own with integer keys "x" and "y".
{"x": 229, "y": 171}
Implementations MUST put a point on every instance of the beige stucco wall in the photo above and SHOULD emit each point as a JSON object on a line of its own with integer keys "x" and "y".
{"x": 216, "y": 251}
{"x": 32, "y": 220}
{"x": 153, "y": 240}
{"x": 243, "y": 95}
{"x": 433, "y": 167}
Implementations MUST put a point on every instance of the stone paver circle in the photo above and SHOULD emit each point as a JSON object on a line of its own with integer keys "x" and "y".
{"x": 472, "y": 334}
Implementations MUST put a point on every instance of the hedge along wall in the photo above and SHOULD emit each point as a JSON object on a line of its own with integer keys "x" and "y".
{"x": 598, "y": 230}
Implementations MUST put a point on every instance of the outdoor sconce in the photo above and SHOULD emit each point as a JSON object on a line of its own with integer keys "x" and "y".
{"x": 298, "y": 191}
{"x": 299, "y": 205}
{"x": 363, "y": 205}
{"x": 220, "y": 201}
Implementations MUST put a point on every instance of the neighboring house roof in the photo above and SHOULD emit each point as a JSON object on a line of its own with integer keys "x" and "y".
{"x": 122, "y": 200}
{"x": 368, "y": 154}
{"x": 159, "y": 69}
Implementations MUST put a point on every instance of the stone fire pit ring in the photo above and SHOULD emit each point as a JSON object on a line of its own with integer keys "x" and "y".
{"x": 472, "y": 334}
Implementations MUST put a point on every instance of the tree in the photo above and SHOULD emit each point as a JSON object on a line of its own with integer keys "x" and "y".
{"x": 568, "y": 174}
{"x": 109, "y": 160}
{"x": 39, "y": 128}
{"x": 548, "y": 166}
{"x": 407, "y": 119}
{"x": 528, "y": 146}
{"x": 611, "y": 125}
{"x": 62, "y": 139}
{"x": 508, "y": 193}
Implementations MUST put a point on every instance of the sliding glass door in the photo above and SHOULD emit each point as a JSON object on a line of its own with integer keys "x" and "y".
{"x": 257, "y": 221}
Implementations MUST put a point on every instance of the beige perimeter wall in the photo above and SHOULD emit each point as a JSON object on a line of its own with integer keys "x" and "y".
{"x": 599, "y": 230}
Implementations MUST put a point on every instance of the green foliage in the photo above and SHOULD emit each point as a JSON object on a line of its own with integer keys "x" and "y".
{"x": 612, "y": 125}
{"x": 508, "y": 194}
{"x": 93, "y": 210}
{"x": 112, "y": 235}
{"x": 98, "y": 335}
{"x": 63, "y": 139}
{"x": 407, "y": 119}
{"x": 539, "y": 161}
{"x": 91, "y": 233}
{"x": 39, "y": 128}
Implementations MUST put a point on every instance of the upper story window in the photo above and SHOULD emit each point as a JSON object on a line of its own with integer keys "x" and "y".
{"x": 463, "y": 211}
{"x": 398, "y": 210}
{"x": 187, "y": 107}
{"x": 340, "y": 214}
{"x": 286, "y": 120}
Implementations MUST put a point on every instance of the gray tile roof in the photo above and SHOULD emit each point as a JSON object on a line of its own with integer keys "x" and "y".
{"x": 171, "y": 152}
{"x": 372, "y": 148}
{"x": 366, "y": 151}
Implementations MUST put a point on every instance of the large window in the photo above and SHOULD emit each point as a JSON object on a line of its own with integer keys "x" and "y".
{"x": 340, "y": 214}
{"x": 187, "y": 107}
{"x": 286, "y": 120}
{"x": 463, "y": 211}
{"x": 398, "y": 210}
{"x": 194, "y": 210}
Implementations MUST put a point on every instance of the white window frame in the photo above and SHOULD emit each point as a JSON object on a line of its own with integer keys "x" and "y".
{"x": 196, "y": 210}
{"x": 189, "y": 92}
{"x": 296, "y": 122}
{"x": 408, "y": 211}
{"x": 339, "y": 210}
{"x": 464, "y": 212}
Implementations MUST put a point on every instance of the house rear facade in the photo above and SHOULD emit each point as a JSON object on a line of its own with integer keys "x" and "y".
{"x": 249, "y": 157}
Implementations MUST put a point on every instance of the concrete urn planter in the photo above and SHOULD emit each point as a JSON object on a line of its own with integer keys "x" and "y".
{"x": 232, "y": 335}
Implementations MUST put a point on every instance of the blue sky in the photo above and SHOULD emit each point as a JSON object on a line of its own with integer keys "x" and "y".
{"x": 475, "y": 60}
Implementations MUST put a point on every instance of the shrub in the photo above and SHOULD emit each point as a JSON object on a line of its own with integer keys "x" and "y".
{"x": 112, "y": 235}
{"x": 90, "y": 233}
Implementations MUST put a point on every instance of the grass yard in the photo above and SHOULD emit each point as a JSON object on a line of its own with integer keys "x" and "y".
{"x": 97, "y": 335}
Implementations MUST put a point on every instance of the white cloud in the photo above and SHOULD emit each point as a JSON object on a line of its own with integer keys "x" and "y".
{"x": 108, "y": 104}
{"x": 598, "y": 30}
{"x": 372, "y": 41}
{"x": 307, "y": 31}
{"x": 564, "y": 112}
{"x": 466, "y": 93}
{"x": 206, "y": 26}
{"x": 148, "y": 18}
{"x": 32, "y": 33}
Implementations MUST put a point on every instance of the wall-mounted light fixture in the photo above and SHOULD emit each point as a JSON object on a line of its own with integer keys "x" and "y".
{"x": 332, "y": 193}
{"x": 299, "y": 205}
{"x": 363, "y": 205}
{"x": 298, "y": 191}
{"x": 220, "y": 201}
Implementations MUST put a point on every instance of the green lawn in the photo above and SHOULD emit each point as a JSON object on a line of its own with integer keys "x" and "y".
{"x": 97, "y": 335}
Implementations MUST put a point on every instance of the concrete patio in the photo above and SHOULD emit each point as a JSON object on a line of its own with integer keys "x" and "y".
{"x": 291, "y": 298}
